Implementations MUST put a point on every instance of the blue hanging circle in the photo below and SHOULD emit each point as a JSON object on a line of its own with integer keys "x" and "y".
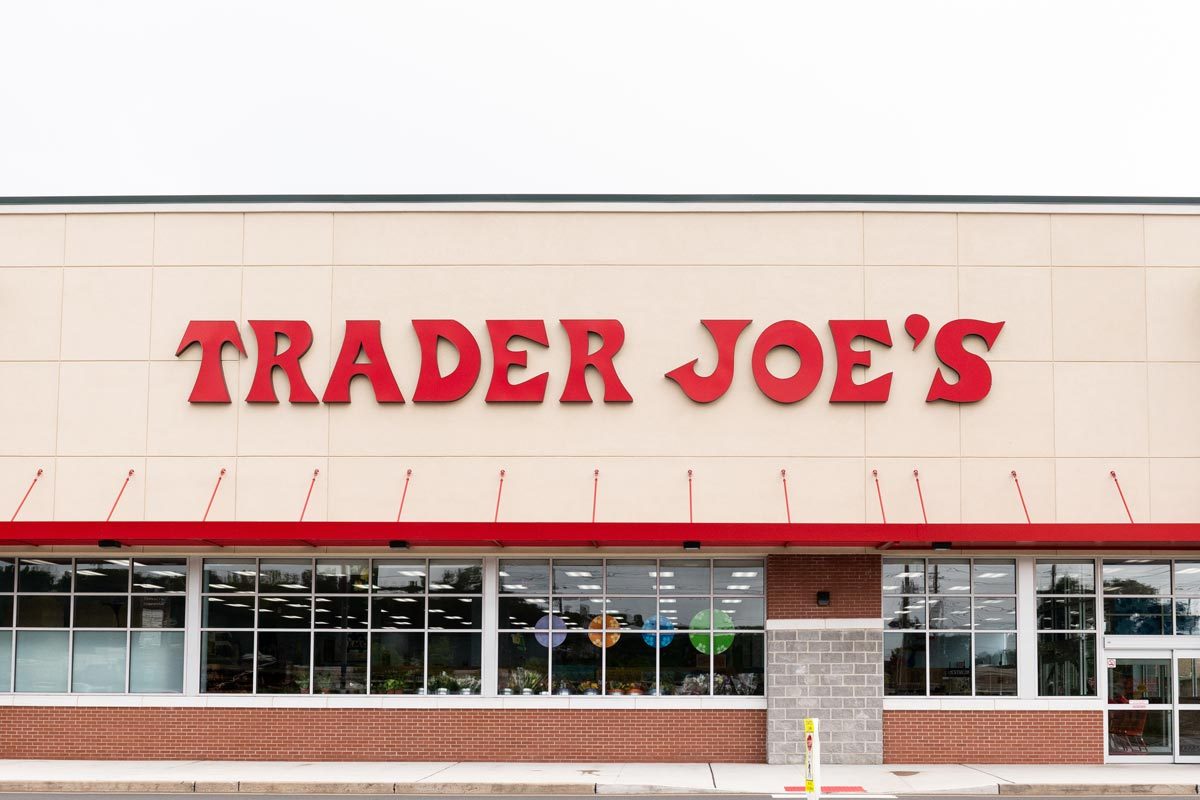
{"x": 662, "y": 624}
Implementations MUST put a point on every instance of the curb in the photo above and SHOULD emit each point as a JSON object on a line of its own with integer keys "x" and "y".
{"x": 1098, "y": 788}
{"x": 309, "y": 787}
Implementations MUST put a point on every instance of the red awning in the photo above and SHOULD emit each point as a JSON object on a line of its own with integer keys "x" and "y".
{"x": 602, "y": 534}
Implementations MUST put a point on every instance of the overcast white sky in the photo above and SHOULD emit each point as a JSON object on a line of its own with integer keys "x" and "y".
{"x": 449, "y": 96}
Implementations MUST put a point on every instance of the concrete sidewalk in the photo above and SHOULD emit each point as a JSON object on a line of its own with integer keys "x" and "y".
{"x": 581, "y": 778}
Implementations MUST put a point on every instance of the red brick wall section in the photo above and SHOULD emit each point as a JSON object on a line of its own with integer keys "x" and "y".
{"x": 292, "y": 734}
{"x": 852, "y": 582}
{"x": 993, "y": 737}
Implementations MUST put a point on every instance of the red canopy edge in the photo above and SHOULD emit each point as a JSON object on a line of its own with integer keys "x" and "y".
{"x": 601, "y": 534}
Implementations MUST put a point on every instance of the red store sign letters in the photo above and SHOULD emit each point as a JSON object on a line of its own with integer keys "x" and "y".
{"x": 964, "y": 377}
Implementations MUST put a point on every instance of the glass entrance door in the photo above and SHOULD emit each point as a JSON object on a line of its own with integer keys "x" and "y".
{"x": 1141, "y": 706}
{"x": 1187, "y": 705}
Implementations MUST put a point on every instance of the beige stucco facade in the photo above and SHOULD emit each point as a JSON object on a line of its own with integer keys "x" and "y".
{"x": 1097, "y": 367}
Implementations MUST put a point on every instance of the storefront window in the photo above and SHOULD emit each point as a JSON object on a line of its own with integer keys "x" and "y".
{"x": 1066, "y": 621}
{"x": 631, "y": 626}
{"x": 103, "y": 625}
{"x": 950, "y": 626}
{"x": 342, "y": 626}
{"x": 1137, "y": 597}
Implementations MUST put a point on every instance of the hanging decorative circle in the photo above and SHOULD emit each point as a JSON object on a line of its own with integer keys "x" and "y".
{"x": 661, "y": 624}
{"x": 550, "y": 631}
{"x": 715, "y": 643}
{"x": 602, "y": 638}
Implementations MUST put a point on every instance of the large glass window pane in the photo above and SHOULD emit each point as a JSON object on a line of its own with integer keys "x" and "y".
{"x": 6, "y": 661}
{"x": 1189, "y": 733}
{"x": 578, "y": 576}
{"x": 399, "y": 575}
{"x": 684, "y": 576}
{"x": 903, "y": 576}
{"x": 342, "y": 612}
{"x": 904, "y": 612}
{"x": 523, "y": 662}
{"x": 947, "y": 576}
{"x": 158, "y": 611}
{"x": 1187, "y": 578}
{"x": 994, "y": 576}
{"x": 284, "y": 612}
{"x": 1066, "y": 577}
{"x": 7, "y": 575}
{"x": 1066, "y": 613}
{"x": 1187, "y": 616}
{"x": 577, "y": 664}
{"x": 455, "y": 613}
{"x": 228, "y": 661}
{"x": 630, "y": 662}
{"x": 110, "y": 575}
{"x": 996, "y": 613}
{"x": 738, "y": 577}
{"x": 523, "y": 576}
{"x": 397, "y": 663}
{"x": 98, "y": 661}
{"x": 1137, "y": 616}
{"x": 283, "y": 663}
{"x": 1066, "y": 664}
{"x": 455, "y": 576}
{"x": 689, "y": 612}
{"x": 1139, "y": 732}
{"x": 1137, "y": 576}
{"x": 41, "y": 661}
{"x": 455, "y": 661}
{"x": 744, "y": 612}
{"x": 102, "y": 611}
{"x": 684, "y": 663}
{"x": 44, "y": 575}
{"x": 631, "y": 576}
{"x": 996, "y": 664}
{"x": 1146, "y": 679}
{"x": 156, "y": 661}
{"x": 950, "y": 663}
{"x": 522, "y": 612}
{"x": 290, "y": 575}
{"x": 904, "y": 663}
{"x": 43, "y": 611}
{"x": 635, "y": 612}
{"x": 159, "y": 575}
{"x": 578, "y": 612}
{"x": 228, "y": 612}
{"x": 739, "y": 669}
{"x": 398, "y": 612}
{"x": 945, "y": 613}
{"x": 7, "y": 601}
{"x": 339, "y": 663}
{"x": 231, "y": 575}
{"x": 343, "y": 575}
{"x": 1189, "y": 680}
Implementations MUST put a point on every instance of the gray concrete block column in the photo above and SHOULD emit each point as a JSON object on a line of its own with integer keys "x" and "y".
{"x": 833, "y": 670}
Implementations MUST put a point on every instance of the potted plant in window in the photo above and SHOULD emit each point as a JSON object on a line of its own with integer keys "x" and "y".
{"x": 634, "y": 688}
{"x": 525, "y": 681}
{"x": 326, "y": 682}
{"x": 443, "y": 683}
{"x": 391, "y": 686}
{"x": 589, "y": 687}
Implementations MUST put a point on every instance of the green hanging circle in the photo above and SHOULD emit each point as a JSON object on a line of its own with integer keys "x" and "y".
{"x": 716, "y": 643}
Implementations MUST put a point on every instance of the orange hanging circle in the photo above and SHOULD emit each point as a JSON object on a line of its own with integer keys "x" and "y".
{"x": 605, "y": 639}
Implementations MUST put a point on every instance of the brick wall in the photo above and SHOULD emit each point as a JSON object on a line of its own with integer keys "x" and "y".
{"x": 292, "y": 734}
{"x": 993, "y": 737}
{"x": 852, "y": 581}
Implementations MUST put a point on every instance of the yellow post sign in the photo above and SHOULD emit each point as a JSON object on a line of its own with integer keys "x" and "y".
{"x": 812, "y": 758}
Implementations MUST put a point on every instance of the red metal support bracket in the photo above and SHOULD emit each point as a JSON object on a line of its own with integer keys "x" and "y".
{"x": 787, "y": 504}
{"x": 920, "y": 496}
{"x": 595, "y": 491}
{"x": 311, "y": 484}
{"x": 499, "y": 492}
{"x": 404, "y": 494}
{"x": 121, "y": 492}
{"x": 213, "y": 496}
{"x": 1021, "y": 495}
{"x": 879, "y": 494}
{"x": 1113, "y": 474}
{"x": 691, "y": 518}
{"x": 21, "y": 504}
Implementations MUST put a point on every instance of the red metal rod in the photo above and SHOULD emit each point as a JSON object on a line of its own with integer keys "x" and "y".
{"x": 1021, "y": 495}
{"x": 21, "y": 504}
{"x": 595, "y": 492}
{"x": 690, "y": 517}
{"x": 404, "y": 494}
{"x": 920, "y": 496}
{"x": 311, "y": 484}
{"x": 208, "y": 507}
{"x": 787, "y": 505}
{"x": 879, "y": 494}
{"x": 114, "y": 505}
{"x": 499, "y": 491}
{"x": 1113, "y": 474}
